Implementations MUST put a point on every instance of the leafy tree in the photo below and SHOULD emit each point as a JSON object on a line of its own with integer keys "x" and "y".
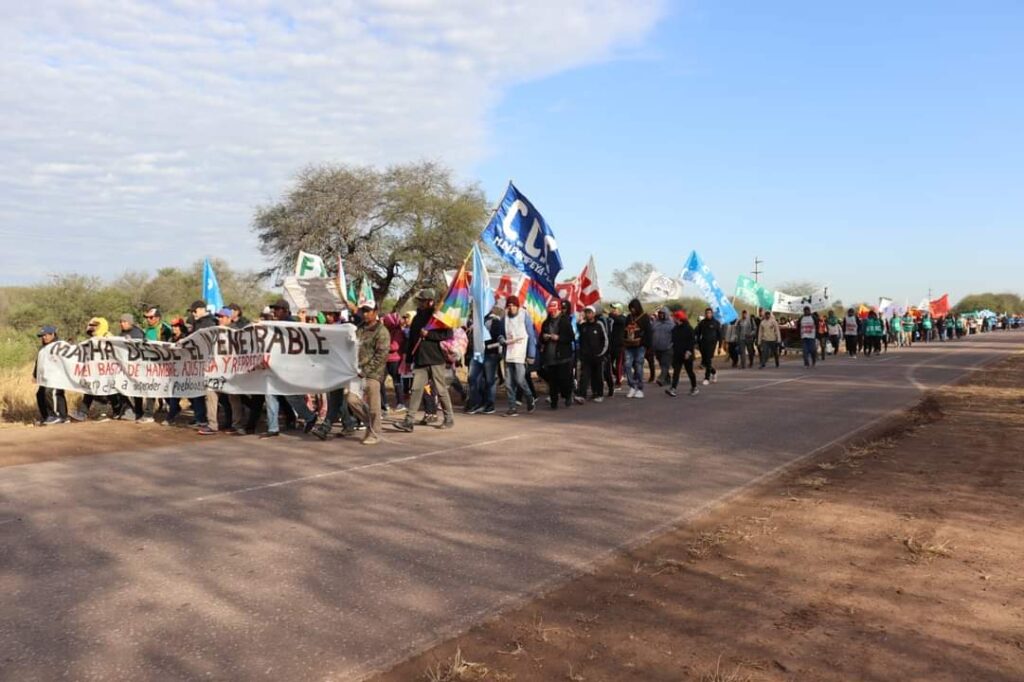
{"x": 631, "y": 279}
{"x": 998, "y": 303}
{"x": 400, "y": 227}
{"x": 799, "y": 287}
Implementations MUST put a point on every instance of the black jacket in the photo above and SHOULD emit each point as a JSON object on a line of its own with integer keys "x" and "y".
{"x": 204, "y": 322}
{"x": 708, "y": 334}
{"x": 616, "y": 332}
{"x": 640, "y": 328}
{"x": 134, "y": 333}
{"x": 683, "y": 340}
{"x": 593, "y": 340}
{"x": 556, "y": 352}
{"x": 425, "y": 351}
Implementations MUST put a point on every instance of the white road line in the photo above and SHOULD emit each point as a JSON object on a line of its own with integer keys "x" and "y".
{"x": 773, "y": 383}
{"x": 349, "y": 470}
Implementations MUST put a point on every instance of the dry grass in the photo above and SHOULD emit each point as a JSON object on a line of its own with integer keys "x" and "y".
{"x": 926, "y": 550}
{"x": 17, "y": 395}
{"x": 719, "y": 675}
{"x": 458, "y": 669}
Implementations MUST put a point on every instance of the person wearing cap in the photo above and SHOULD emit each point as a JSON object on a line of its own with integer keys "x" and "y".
{"x": 683, "y": 345}
{"x": 52, "y": 403}
{"x": 130, "y": 330}
{"x": 556, "y": 339}
{"x": 615, "y": 323}
{"x": 364, "y": 395}
{"x": 637, "y": 340}
{"x": 593, "y": 348}
{"x": 225, "y": 318}
{"x": 428, "y": 362}
{"x": 518, "y": 339}
{"x": 769, "y": 338}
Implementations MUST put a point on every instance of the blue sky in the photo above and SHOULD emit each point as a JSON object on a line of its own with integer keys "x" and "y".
{"x": 873, "y": 146}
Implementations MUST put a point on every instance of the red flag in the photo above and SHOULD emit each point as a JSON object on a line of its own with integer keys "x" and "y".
{"x": 940, "y": 306}
{"x": 589, "y": 289}
{"x": 570, "y": 291}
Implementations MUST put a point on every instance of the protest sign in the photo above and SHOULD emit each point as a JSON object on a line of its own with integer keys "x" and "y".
{"x": 794, "y": 305}
{"x": 659, "y": 287}
{"x": 309, "y": 265}
{"x": 313, "y": 293}
{"x": 274, "y": 358}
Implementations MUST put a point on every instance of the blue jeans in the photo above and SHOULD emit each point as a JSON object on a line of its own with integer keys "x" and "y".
{"x": 297, "y": 403}
{"x": 483, "y": 382}
{"x": 635, "y": 367}
{"x": 810, "y": 351}
{"x": 516, "y": 378}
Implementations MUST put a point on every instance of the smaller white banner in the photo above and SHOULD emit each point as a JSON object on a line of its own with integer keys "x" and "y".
{"x": 794, "y": 305}
{"x": 661, "y": 287}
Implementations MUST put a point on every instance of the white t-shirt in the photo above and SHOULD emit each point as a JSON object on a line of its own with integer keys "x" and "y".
{"x": 807, "y": 327}
{"x": 516, "y": 338}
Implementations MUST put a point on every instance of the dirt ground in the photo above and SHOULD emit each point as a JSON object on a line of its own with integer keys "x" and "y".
{"x": 897, "y": 557}
{"x": 21, "y": 444}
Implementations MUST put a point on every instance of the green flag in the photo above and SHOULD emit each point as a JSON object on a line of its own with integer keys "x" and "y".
{"x": 753, "y": 293}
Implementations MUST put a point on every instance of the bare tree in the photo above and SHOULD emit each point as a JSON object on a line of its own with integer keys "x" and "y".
{"x": 631, "y": 280}
{"x": 400, "y": 227}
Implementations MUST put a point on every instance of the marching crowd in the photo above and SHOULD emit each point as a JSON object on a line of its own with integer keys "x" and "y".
{"x": 579, "y": 358}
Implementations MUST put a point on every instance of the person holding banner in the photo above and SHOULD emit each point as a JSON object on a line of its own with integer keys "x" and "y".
{"x": 364, "y": 393}
{"x": 282, "y": 313}
{"x": 428, "y": 362}
{"x": 52, "y": 404}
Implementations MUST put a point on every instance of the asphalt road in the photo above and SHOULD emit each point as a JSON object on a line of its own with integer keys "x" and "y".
{"x": 292, "y": 559}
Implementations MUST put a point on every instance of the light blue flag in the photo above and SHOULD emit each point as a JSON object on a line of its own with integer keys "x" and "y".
{"x": 520, "y": 235}
{"x": 700, "y": 274}
{"x": 483, "y": 302}
{"x": 211, "y": 289}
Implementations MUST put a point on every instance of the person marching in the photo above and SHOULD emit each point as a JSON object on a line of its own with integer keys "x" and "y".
{"x": 636, "y": 341}
{"x": 683, "y": 344}
{"x": 556, "y": 340}
{"x": 519, "y": 341}
{"x": 708, "y": 336}
{"x": 874, "y": 330}
{"x": 769, "y": 338}
{"x": 364, "y": 395}
{"x": 851, "y": 330}
{"x": 428, "y": 362}
{"x": 52, "y": 404}
{"x": 593, "y": 348}
{"x": 808, "y": 327}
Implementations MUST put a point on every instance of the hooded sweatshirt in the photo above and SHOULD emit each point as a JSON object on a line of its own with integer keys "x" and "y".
{"x": 661, "y": 332}
{"x": 102, "y": 327}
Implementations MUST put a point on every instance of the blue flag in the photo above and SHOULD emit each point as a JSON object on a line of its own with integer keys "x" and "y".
{"x": 483, "y": 302}
{"x": 520, "y": 235}
{"x": 211, "y": 289}
{"x": 700, "y": 274}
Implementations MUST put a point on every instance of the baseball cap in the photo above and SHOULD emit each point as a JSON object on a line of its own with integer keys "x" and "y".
{"x": 589, "y": 309}
{"x": 679, "y": 315}
{"x": 225, "y": 312}
{"x": 196, "y": 305}
{"x": 48, "y": 329}
{"x": 368, "y": 305}
{"x": 512, "y": 300}
{"x": 129, "y": 318}
{"x": 426, "y": 295}
{"x": 281, "y": 304}
{"x": 616, "y": 306}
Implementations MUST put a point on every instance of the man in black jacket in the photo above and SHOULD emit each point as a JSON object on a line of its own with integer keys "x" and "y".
{"x": 428, "y": 361}
{"x": 593, "y": 348}
{"x": 708, "y": 336}
{"x": 616, "y": 326}
{"x": 556, "y": 339}
{"x": 683, "y": 342}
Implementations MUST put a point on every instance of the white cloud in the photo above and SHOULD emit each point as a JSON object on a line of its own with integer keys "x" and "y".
{"x": 174, "y": 120}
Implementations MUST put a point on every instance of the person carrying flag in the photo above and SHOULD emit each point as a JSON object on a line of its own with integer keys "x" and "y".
{"x": 428, "y": 362}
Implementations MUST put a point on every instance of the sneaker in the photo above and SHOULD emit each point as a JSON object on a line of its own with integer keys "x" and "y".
{"x": 146, "y": 420}
{"x": 399, "y": 408}
{"x": 237, "y": 432}
{"x": 632, "y": 392}
{"x": 671, "y": 392}
{"x": 50, "y": 421}
{"x": 322, "y": 431}
{"x": 370, "y": 440}
{"x": 103, "y": 418}
{"x": 512, "y": 412}
{"x": 346, "y": 432}
{"x": 128, "y": 415}
{"x": 659, "y": 382}
{"x": 405, "y": 425}
{"x": 639, "y": 394}
{"x": 705, "y": 382}
{"x": 694, "y": 391}
{"x": 531, "y": 406}
{"x": 599, "y": 399}
{"x": 79, "y": 415}
{"x": 207, "y": 431}
{"x": 309, "y": 426}
{"x": 269, "y": 434}
{"x": 489, "y": 410}
{"x": 578, "y": 400}
{"x": 714, "y": 378}
{"x": 447, "y": 424}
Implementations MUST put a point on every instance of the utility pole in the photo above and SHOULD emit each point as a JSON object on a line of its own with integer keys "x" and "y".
{"x": 757, "y": 271}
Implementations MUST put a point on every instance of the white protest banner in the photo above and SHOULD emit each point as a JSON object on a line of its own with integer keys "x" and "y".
{"x": 794, "y": 305}
{"x": 275, "y": 358}
{"x": 661, "y": 287}
{"x": 313, "y": 293}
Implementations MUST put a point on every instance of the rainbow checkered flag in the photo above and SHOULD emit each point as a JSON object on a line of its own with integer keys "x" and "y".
{"x": 534, "y": 298}
{"x": 454, "y": 310}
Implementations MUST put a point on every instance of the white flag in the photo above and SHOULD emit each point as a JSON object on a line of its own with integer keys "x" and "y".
{"x": 661, "y": 287}
{"x": 309, "y": 265}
